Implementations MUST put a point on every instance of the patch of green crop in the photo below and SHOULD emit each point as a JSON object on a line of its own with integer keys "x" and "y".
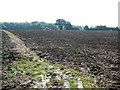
{"x": 34, "y": 55}
{"x": 73, "y": 84}
{"x": 13, "y": 68}
{"x": 43, "y": 68}
{"x": 10, "y": 34}
{"x": 24, "y": 66}
{"x": 9, "y": 74}
{"x": 39, "y": 78}
{"x": 33, "y": 78}
{"x": 73, "y": 72}
{"x": 49, "y": 71}
{"x": 87, "y": 81}
{"x": 36, "y": 73}
{"x": 44, "y": 60}
{"x": 92, "y": 75}
{"x": 76, "y": 78}
{"x": 71, "y": 81}
{"x": 48, "y": 84}
{"x": 61, "y": 80}
{"x": 35, "y": 69}
{"x": 86, "y": 84}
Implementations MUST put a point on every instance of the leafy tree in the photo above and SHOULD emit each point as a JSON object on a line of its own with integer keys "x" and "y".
{"x": 86, "y": 28}
{"x": 61, "y": 23}
{"x": 64, "y": 25}
{"x": 68, "y": 26}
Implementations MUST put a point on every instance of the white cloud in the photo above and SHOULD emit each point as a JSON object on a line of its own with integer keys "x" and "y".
{"x": 78, "y": 12}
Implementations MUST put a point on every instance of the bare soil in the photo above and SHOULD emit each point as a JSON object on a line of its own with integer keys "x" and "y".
{"x": 93, "y": 52}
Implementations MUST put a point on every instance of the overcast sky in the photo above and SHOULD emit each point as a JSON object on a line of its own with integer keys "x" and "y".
{"x": 78, "y": 12}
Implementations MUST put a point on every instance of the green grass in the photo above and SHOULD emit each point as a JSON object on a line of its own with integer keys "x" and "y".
{"x": 10, "y": 34}
{"x": 73, "y": 83}
{"x": 36, "y": 73}
{"x": 35, "y": 68}
{"x": 74, "y": 72}
{"x": 48, "y": 84}
{"x": 39, "y": 78}
{"x": 27, "y": 67}
{"x": 59, "y": 66}
{"x": 87, "y": 81}
{"x": 34, "y": 55}
{"x": 9, "y": 74}
{"x": 61, "y": 80}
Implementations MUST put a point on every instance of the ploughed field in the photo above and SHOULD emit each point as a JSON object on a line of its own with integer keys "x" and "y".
{"x": 92, "y": 52}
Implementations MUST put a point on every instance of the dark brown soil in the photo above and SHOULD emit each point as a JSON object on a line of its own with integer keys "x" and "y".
{"x": 93, "y": 52}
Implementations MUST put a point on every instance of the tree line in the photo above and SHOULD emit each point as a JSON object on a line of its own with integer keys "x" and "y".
{"x": 60, "y": 24}
{"x": 100, "y": 28}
